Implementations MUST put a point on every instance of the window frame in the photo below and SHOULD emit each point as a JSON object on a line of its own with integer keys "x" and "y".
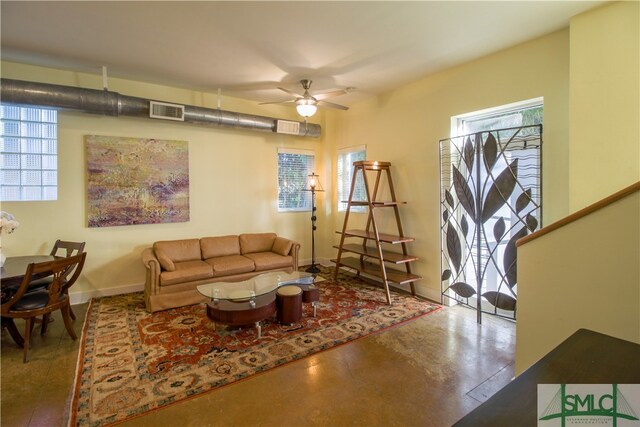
{"x": 28, "y": 153}
{"x": 298, "y": 187}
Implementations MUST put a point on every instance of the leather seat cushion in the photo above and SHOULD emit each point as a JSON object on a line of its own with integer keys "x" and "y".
{"x": 41, "y": 283}
{"x": 213, "y": 247}
{"x": 180, "y": 250}
{"x": 288, "y": 291}
{"x": 231, "y": 264}
{"x": 35, "y": 285}
{"x": 186, "y": 271}
{"x": 256, "y": 242}
{"x": 269, "y": 260}
{"x": 34, "y": 300}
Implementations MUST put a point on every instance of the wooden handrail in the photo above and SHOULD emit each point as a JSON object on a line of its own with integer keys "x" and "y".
{"x": 581, "y": 213}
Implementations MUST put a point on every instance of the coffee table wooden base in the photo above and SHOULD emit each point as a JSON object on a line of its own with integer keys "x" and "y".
{"x": 243, "y": 313}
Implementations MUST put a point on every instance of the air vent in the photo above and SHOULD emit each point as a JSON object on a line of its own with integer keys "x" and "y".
{"x": 291, "y": 128}
{"x": 162, "y": 110}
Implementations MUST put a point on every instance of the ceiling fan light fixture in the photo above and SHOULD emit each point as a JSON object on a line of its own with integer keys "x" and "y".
{"x": 307, "y": 104}
{"x": 306, "y": 107}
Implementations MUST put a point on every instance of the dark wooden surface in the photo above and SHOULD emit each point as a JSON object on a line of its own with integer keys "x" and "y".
{"x": 240, "y": 313}
{"x": 586, "y": 357}
{"x": 14, "y": 267}
{"x": 289, "y": 308}
{"x": 310, "y": 294}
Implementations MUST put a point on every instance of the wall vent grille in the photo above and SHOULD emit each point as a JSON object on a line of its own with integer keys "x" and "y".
{"x": 165, "y": 111}
{"x": 291, "y": 128}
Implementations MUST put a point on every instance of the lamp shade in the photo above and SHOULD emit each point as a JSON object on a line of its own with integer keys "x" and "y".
{"x": 306, "y": 108}
{"x": 313, "y": 183}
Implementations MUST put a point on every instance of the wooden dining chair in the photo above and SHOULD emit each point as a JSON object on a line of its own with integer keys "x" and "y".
{"x": 70, "y": 248}
{"x": 60, "y": 248}
{"x": 29, "y": 305}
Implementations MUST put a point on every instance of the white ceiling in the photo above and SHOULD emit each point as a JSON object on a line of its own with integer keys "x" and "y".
{"x": 249, "y": 48}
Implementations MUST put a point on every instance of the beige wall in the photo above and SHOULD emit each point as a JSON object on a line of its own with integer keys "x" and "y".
{"x": 586, "y": 275}
{"x": 233, "y": 182}
{"x": 605, "y": 102}
{"x": 405, "y": 125}
{"x": 583, "y": 275}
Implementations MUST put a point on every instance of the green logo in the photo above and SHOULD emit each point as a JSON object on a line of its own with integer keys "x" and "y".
{"x": 583, "y": 402}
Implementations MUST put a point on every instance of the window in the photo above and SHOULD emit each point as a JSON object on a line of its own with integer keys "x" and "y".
{"x": 523, "y": 113}
{"x": 293, "y": 168}
{"x": 346, "y": 157}
{"x": 487, "y": 243}
{"x": 28, "y": 153}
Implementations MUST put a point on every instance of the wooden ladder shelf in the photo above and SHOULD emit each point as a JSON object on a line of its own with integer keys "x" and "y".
{"x": 371, "y": 259}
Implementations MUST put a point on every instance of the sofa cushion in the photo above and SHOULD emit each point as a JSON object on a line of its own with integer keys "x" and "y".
{"x": 256, "y": 242}
{"x": 180, "y": 250}
{"x": 230, "y": 264}
{"x": 186, "y": 271}
{"x": 269, "y": 260}
{"x": 219, "y": 246}
{"x": 164, "y": 260}
{"x": 281, "y": 246}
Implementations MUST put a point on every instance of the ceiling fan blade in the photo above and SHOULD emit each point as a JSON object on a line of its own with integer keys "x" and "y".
{"x": 278, "y": 102}
{"x": 290, "y": 92}
{"x": 332, "y": 105}
{"x": 325, "y": 95}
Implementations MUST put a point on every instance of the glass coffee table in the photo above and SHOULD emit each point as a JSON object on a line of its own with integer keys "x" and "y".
{"x": 251, "y": 301}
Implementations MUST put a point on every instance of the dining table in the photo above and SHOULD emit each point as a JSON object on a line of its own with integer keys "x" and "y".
{"x": 14, "y": 268}
{"x": 11, "y": 275}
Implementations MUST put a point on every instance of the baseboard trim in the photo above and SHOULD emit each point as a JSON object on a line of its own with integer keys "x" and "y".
{"x": 430, "y": 294}
{"x": 83, "y": 296}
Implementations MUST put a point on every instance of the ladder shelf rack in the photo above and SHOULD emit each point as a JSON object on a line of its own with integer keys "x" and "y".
{"x": 372, "y": 259}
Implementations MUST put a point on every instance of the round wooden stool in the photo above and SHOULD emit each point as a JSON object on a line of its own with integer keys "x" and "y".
{"x": 311, "y": 294}
{"x": 289, "y": 304}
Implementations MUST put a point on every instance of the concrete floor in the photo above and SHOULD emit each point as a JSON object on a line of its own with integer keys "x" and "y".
{"x": 429, "y": 372}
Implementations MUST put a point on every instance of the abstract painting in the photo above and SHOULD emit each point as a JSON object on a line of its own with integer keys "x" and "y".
{"x": 136, "y": 181}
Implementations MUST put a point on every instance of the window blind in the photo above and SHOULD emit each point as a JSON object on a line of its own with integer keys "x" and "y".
{"x": 293, "y": 168}
{"x": 346, "y": 157}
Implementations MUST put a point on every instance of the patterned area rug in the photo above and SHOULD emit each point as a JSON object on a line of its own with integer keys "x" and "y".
{"x": 132, "y": 362}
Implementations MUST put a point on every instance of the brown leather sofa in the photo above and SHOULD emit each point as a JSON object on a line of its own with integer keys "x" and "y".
{"x": 176, "y": 267}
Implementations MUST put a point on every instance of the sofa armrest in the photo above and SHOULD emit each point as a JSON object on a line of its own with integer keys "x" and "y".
{"x": 153, "y": 269}
{"x": 294, "y": 251}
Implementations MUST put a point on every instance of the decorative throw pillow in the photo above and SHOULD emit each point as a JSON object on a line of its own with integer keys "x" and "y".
{"x": 282, "y": 246}
{"x": 165, "y": 261}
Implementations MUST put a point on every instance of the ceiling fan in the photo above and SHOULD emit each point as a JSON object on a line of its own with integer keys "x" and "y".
{"x": 307, "y": 104}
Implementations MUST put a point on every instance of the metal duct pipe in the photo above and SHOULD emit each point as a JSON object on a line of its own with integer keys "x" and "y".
{"x": 109, "y": 103}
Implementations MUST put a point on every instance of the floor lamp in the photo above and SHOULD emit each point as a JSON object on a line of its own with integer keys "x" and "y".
{"x": 313, "y": 185}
